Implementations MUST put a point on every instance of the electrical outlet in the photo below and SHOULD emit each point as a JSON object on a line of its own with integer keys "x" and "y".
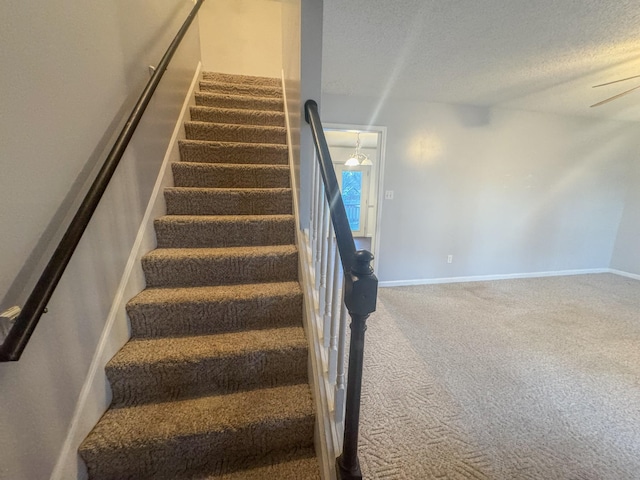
{"x": 449, "y": 258}
{"x": 388, "y": 195}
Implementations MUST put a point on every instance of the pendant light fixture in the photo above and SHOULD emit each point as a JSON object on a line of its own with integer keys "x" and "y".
{"x": 358, "y": 158}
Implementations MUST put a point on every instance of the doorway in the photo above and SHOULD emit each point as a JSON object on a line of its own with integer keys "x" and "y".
{"x": 357, "y": 153}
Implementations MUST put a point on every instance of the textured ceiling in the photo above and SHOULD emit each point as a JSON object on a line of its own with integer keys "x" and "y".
{"x": 541, "y": 55}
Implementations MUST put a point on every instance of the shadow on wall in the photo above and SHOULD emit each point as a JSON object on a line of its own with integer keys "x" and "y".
{"x": 473, "y": 117}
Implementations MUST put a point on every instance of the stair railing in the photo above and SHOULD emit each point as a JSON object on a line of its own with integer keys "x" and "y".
{"x": 24, "y": 323}
{"x": 344, "y": 283}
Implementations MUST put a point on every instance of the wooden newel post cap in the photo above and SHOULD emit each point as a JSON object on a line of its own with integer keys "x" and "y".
{"x": 362, "y": 263}
{"x": 361, "y": 288}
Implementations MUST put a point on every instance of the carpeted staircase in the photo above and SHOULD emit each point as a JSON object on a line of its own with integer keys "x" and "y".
{"x": 213, "y": 383}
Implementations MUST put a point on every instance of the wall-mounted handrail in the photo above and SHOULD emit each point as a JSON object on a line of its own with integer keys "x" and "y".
{"x": 360, "y": 292}
{"x": 24, "y": 325}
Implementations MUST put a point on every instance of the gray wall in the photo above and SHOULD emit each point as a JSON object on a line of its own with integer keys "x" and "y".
{"x": 302, "y": 68}
{"x": 626, "y": 256}
{"x": 503, "y": 191}
{"x": 311, "y": 88}
{"x": 291, "y": 42}
{"x": 69, "y": 73}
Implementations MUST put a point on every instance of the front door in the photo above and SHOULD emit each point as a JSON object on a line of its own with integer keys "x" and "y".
{"x": 354, "y": 185}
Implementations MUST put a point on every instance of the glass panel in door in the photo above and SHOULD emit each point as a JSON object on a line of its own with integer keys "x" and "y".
{"x": 352, "y": 196}
{"x": 354, "y": 186}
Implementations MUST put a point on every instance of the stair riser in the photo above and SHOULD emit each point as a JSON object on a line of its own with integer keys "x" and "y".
{"x": 172, "y": 381}
{"x": 214, "y": 176}
{"x": 204, "y": 318}
{"x": 241, "y": 79}
{"x": 244, "y": 117}
{"x": 233, "y": 153}
{"x": 228, "y": 203}
{"x": 209, "y": 99}
{"x": 207, "y": 271}
{"x": 235, "y": 133}
{"x": 298, "y": 465}
{"x": 241, "y": 89}
{"x": 174, "y": 234}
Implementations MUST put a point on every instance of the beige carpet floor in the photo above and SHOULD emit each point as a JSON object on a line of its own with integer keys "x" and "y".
{"x": 513, "y": 379}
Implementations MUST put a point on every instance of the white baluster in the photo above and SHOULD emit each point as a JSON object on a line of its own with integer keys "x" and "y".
{"x": 314, "y": 196}
{"x": 321, "y": 219}
{"x": 335, "y": 317}
{"x": 327, "y": 277}
{"x": 312, "y": 222}
{"x": 341, "y": 375}
{"x": 324, "y": 249}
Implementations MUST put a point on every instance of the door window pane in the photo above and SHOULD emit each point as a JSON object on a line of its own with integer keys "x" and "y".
{"x": 352, "y": 196}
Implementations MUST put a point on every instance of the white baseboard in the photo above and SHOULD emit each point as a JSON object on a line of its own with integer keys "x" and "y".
{"x": 635, "y": 276}
{"x": 95, "y": 395}
{"x": 324, "y": 439}
{"x": 486, "y": 278}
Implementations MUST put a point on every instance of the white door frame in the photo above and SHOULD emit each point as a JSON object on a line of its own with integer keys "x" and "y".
{"x": 382, "y": 131}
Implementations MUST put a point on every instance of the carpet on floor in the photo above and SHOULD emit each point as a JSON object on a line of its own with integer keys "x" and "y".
{"x": 502, "y": 380}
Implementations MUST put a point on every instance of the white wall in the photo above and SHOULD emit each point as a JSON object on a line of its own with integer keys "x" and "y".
{"x": 504, "y": 191}
{"x": 68, "y": 76}
{"x": 626, "y": 255}
{"x": 242, "y": 37}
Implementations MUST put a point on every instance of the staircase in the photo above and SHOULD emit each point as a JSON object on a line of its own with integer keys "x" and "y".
{"x": 213, "y": 383}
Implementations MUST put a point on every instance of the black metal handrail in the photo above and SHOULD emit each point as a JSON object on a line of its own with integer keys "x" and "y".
{"x": 21, "y": 331}
{"x": 360, "y": 295}
{"x": 344, "y": 237}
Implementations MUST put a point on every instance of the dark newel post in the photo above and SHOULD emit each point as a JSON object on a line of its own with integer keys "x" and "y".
{"x": 361, "y": 290}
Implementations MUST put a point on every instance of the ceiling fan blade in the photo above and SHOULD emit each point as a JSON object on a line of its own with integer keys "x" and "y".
{"x": 615, "y": 96}
{"x": 616, "y": 81}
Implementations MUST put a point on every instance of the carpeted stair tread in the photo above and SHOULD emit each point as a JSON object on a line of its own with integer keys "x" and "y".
{"x": 169, "y": 439}
{"x": 228, "y": 201}
{"x": 237, "y": 116}
{"x": 213, "y": 382}
{"x": 303, "y": 468}
{"x": 161, "y": 369}
{"x": 211, "y": 231}
{"x": 191, "y": 267}
{"x": 158, "y": 312}
{"x": 225, "y": 132}
{"x": 224, "y": 100}
{"x": 233, "y": 152}
{"x": 194, "y": 348}
{"x": 210, "y": 175}
{"x": 245, "y": 79}
{"x": 243, "y": 89}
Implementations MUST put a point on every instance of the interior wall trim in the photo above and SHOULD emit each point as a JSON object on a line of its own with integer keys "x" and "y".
{"x": 382, "y": 156}
{"x": 486, "y": 278}
{"x": 622, "y": 273}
